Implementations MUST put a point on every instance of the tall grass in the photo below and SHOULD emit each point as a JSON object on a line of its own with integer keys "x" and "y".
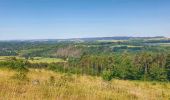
{"x": 47, "y": 85}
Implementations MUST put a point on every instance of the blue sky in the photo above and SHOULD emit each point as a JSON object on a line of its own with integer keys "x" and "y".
{"x": 42, "y": 19}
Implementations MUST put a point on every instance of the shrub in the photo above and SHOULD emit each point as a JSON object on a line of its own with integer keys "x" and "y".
{"x": 107, "y": 75}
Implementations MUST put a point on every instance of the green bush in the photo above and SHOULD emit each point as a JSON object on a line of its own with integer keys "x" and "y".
{"x": 107, "y": 75}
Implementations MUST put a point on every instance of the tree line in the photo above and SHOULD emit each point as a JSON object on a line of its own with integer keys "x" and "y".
{"x": 140, "y": 66}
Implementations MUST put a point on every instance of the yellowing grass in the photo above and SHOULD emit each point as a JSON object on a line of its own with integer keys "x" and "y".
{"x": 35, "y": 59}
{"x": 46, "y": 60}
{"x": 57, "y": 86}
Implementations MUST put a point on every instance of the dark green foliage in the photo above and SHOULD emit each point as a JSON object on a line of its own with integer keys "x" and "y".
{"x": 168, "y": 66}
{"x": 15, "y": 64}
{"x": 143, "y": 66}
{"x": 158, "y": 74}
{"x": 37, "y": 65}
{"x": 8, "y": 53}
{"x": 56, "y": 67}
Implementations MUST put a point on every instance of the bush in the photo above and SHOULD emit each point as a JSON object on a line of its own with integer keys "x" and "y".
{"x": 107, "y": 75}
{"x": 14, "y": 64}
{"x": 158, "y": 74}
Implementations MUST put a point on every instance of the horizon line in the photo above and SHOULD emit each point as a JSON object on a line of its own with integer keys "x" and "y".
{"x": 81, "y": 38}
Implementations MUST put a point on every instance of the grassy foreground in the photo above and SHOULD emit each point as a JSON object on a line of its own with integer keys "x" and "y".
{"x": 47, "y": 85}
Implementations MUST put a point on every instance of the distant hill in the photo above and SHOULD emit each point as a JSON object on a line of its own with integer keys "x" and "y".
{"x": 112, "y": 38}
{"x": 93, "y": 38}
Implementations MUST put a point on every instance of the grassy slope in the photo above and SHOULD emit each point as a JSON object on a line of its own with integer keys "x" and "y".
{"x": 74, "y": 87}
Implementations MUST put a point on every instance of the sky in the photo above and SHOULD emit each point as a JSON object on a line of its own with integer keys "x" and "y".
{"x": 57, "y": 19}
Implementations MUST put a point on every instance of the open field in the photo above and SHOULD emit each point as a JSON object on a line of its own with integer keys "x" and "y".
{"x": 34, "y": 59}
{"x": 8, "y": 57}
{"x": 45, "y": 60}
{"x": 43, "y": 84}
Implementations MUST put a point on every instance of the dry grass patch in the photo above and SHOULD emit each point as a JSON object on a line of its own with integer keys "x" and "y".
{"x": 48, "y": 85}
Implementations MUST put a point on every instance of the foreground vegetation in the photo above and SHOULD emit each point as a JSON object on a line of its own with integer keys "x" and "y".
{"x": 42, "y": 84}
